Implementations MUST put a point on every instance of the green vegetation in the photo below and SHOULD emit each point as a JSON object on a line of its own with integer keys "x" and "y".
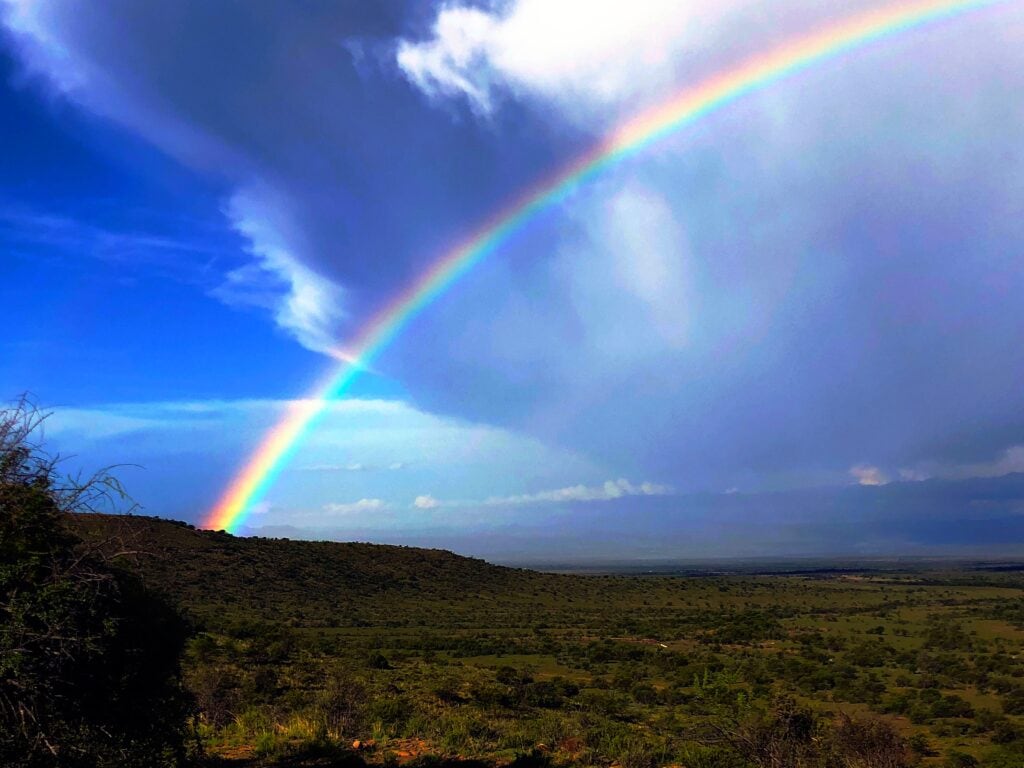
{"x": 303, "y": 648}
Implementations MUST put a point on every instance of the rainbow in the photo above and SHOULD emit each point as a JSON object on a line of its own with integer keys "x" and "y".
{"x": 679, "y": 111}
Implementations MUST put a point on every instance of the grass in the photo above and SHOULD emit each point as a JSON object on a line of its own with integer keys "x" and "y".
{"x": 310, "y": 646}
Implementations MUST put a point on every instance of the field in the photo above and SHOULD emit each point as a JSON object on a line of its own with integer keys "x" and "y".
{"x": 302, "y": 649}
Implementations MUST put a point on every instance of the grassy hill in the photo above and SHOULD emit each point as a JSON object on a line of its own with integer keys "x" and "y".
{"x": 425, "y": 653}
{"x": 316, "y": 583}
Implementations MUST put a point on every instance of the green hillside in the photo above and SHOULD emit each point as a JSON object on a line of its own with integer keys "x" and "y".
{"x": 427, "y": 655}
{"x": 313, "y": 583}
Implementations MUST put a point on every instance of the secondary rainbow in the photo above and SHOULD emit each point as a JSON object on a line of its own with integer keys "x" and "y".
{"x": 679, "y": 111}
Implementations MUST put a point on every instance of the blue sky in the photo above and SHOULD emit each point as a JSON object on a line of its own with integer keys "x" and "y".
{"x": 773, "y": 333}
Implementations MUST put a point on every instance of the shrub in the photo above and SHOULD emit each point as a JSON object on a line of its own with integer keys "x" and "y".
{"x": 89, "y": 659}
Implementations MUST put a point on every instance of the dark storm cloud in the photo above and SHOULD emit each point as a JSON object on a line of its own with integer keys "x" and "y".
{"x": 843, "y": 250}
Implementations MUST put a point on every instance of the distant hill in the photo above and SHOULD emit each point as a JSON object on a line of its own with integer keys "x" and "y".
{"x": 220, "y": 577}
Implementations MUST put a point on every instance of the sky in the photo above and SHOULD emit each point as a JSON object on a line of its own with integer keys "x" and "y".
{"x": 792, "y": 328}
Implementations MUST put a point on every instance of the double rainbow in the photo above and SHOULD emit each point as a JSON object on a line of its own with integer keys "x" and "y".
{"x": 680, "y": 111}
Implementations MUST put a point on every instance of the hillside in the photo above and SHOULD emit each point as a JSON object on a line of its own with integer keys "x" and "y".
{"x": 425, "y": 653}
{"x": 219, "y": 577}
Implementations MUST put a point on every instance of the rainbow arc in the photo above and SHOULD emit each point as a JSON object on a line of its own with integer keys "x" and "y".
{"x": 676, "y": 113}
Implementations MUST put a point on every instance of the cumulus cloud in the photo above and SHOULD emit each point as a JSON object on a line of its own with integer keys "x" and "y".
{"x": 593, "y": 53}
{"x": 865, "y": 474}
{"x": 426, "y": 502}
{"x": 356, "y": 507}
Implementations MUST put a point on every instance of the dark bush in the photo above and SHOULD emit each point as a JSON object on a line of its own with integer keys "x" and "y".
{"x": 89, "y": 659}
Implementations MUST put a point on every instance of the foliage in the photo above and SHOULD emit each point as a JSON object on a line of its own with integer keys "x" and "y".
{"x": 89, "y": 659}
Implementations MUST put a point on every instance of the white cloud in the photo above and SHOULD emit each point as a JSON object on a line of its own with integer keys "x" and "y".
{"x": 356, "y": 507}
{"x": 587, "y": 52}
{"x": 305, "y": 304}
{"x": 606, "y": 491}
{"x": 868, "y": 475}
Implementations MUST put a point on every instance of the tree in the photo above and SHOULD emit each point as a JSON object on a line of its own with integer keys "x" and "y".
{"x": 89, "y": 658}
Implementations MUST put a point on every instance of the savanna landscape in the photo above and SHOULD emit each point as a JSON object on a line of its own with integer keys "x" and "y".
{"x": 511, "y": 383}
{"x": 270, "y": 652}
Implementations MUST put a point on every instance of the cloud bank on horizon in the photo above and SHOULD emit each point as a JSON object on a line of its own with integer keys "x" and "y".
{"x": 816, "y": 286}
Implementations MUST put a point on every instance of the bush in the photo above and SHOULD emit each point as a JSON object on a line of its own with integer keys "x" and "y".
{"x": 89, "y": 659}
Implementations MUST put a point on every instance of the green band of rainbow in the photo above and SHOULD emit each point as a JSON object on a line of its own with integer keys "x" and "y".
{"x": 680, "y": 111}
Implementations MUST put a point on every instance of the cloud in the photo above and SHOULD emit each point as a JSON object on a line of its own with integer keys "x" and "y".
{"x": 593, "y": 53}
{"x": 356, "y": 507}
{"x": 607, "y": 491}
{"x": 426, "y": 502}
{"x": 305, "y": 303}
{"x": 610, "y": 489}
{"x": 868, "y": 475}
